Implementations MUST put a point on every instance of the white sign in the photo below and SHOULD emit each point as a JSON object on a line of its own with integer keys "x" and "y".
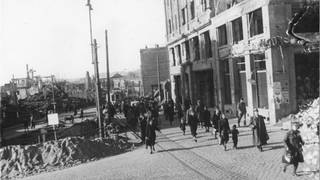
{"x": 53, "y": 119}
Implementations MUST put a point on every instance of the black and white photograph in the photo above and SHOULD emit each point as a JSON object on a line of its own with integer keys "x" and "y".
{"x": 159, "y": 89}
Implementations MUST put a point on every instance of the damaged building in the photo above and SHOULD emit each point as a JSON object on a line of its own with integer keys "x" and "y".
{"x": 222, "y": 50}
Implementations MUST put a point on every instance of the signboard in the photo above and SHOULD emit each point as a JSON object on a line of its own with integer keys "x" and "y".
{"x": 277, "y": 94}
{"x": 285, "y": 92}
{"x": 53, "y": 119}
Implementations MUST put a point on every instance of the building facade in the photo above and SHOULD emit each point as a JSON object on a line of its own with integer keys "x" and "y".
{"x": 154, "y": 68}
{"x": 221, "y": 51}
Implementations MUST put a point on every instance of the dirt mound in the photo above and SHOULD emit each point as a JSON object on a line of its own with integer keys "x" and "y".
{"x": 20, "y": 161}
{"x": 309, "y": 117}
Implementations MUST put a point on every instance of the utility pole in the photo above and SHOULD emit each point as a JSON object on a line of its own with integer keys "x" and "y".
{"x": 108, "y": 70}
{"x": 53, "y": 99}
{"x": 98, "y": 90}
{"x": 94, "y": 55}
{"x": 158, "y": 72}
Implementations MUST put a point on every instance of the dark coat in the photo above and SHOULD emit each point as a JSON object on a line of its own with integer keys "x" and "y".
{"x": 215, "y": 119}
{"x": 151, "y": 133}
{"x": 192, "y": 121}
{"x": 224, "y": 130}
{"x": 259, "y": 131}
{"x": 206, "y": 118}
{"x": 199, "y": 112}
{"x": 293, "y": 141}
{"x": 171, "y": 111}
{"x": 143, "y": 124}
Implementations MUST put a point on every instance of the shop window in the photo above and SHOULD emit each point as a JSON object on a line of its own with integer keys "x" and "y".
{"x": 183, "y": 16}
{"x": 222, "y": 33}
{"x": 259, "y": 61}
{"x": 226, "y": 81}
{"x": 196, "y": 47}
{"x": 237, "y": 30}
{"x": 192, "y": 10}
{"x": 260, "y": 77}
{"x": 255, "y": 22}
{"x": 187, "y": 49}
{"x": 241, "y": 81}
{"x": 207, "y": 44}
{"x": 173, "y": 56}
{"x": 178, "y": 53}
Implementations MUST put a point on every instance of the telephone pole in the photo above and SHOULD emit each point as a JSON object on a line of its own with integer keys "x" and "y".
{"x": 94, "y": 54}
{"x": 108, "y": 70}
{"x": 158, "y": 73}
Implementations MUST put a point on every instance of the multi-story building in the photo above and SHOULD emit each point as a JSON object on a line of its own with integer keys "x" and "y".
{"x": 154, "y": 66}
{"x": 222, "y": 50}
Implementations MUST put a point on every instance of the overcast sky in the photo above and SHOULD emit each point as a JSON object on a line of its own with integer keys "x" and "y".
{"x": 52, "y": 36}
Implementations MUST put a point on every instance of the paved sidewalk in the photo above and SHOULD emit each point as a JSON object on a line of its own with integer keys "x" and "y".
{"x": 179, "y": 157}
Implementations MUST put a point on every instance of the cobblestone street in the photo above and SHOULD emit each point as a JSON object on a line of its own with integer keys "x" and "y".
{"x": 179, "y": 157}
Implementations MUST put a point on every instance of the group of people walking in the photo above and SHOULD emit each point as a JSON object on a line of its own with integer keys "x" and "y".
{"x": 198, "y": 115}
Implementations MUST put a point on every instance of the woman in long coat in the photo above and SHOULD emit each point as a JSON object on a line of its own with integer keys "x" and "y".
{"x": 293, "y": 147}
{"x": 215, "y": 121}
{"x": 181, "y": 118}
{"x": 170, "y": 111}
{"x": 224, "y": 131}
{"x": 192, "y": 120}
{"x": 151, "y": 131}
{"x": 259, "y": 131}
{"x": 143, "y": 123}
{"x": 206, "y": 118}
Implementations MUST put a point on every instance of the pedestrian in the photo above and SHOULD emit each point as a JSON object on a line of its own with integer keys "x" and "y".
{"x": 165, "y": 110}
{"x": 293, "y": 148}
{"x": 143, "y": 124}
{"x": 81, "y": 113}
{"x": 224, "y": 131}
{"x": 151, "y": 128}
{"x": 235, "y": 134}
{"x": 206, "y": 118}
{"x": 199, "y": 112}
{"x": 259, "y": 131}
{"x": 181, "y": 118}
{"x": 170, "y": 111}
{"x": 242, "y": 112}
{"x": 72, "y": 119}
{"x": 32, "y": 123}
{"x": 215, "y": 121}
{"x": 192, "y": 120}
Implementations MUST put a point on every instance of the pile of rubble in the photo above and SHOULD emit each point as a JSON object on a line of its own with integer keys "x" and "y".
{"x": 20, "y": 161}
{"x": 309, "y": 117}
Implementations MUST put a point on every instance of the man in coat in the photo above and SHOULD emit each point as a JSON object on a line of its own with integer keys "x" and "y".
{"x": 259, "y": 131}
{"x": 242, "y": 111}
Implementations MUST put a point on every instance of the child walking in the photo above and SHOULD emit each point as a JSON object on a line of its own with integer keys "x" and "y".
{"x": 235, "y": 134}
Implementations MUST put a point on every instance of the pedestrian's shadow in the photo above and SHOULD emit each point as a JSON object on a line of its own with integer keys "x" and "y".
{"x": 307, "y": 173}
{"x": 269, "y": 148}
{"x": 266, "y": 147}
{"x": 245, "y": 147}
{"x": 185, "y": 148}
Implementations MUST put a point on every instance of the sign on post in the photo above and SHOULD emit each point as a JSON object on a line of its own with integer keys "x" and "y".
{"x": 53, "y": 119}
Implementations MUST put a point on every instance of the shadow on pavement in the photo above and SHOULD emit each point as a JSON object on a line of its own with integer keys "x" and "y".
{"x": 186, "y": 148}
{"x": 306, "y": 173}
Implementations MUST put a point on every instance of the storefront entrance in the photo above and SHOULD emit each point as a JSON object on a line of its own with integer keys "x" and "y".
{"x": 307, "y": 76}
